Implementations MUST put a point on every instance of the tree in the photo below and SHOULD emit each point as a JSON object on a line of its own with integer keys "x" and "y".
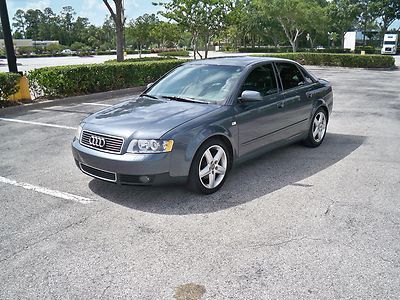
{"x": 49, "y": 29}
{"x": 166, "y": 34}
{"x": 386, "y": 12}
{"x": 139, "y": 30}
{"x": 119, "y": 21}
{"x": 246, "y": 23}
{"x": 366, "y": 17}
{"x": 203, "y": 19}
{"x": 316, "y": 23}
{"x": 290, "y": 14}
{"x": 19, "y": 24}
{"x": 33, "y": 18}
{"x": 342, "y": 16}
{"x": 66, "y": 21}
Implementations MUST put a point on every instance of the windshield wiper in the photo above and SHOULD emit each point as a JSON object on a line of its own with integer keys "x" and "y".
{"x": 149, "y": 96}
{"x": 184, "y": 99}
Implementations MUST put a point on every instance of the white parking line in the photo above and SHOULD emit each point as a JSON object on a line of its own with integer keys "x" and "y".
{"x": 96, "y": 104}
{"x": 37, "y": 123}
{"x": 54, "y": 193}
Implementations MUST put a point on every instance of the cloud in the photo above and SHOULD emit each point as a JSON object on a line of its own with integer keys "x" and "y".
{"x": 27, "y": 4}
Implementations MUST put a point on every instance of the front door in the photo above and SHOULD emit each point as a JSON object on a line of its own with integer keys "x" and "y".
{"x": 259, "y": 121}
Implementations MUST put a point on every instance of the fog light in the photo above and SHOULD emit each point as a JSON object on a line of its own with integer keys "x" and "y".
{"x": 144, "y": 179}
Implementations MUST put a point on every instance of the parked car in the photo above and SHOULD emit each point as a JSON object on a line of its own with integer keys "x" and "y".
{"x": 68, "y": 52}
{"x": 200, "y": 119}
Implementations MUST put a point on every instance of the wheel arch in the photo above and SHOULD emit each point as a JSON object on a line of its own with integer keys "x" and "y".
{"x": 320, "y": 103}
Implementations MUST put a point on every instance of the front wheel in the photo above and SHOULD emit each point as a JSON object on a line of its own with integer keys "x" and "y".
{"x": 209, "y": 167}
{"x": 317, "y": 130}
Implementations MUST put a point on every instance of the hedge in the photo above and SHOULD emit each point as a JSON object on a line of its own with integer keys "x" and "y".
{"x": 290, "y": 50}
{"x": 130, "y": 60}
{"x": 174, "y": 53}
{"x": 8, "y": 85}
{"x": 84, "y": 79}
{"x": 338, "y": 60}
{"x": 367, "y": 49}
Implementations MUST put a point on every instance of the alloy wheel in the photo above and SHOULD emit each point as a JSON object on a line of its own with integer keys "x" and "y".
{"x": 213, "y": 166}
{"x": 319, "y": 127}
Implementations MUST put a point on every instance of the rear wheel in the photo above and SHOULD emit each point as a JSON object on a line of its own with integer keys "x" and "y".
{"x": 317, "y": 131}
{"x": 209, "y": 167}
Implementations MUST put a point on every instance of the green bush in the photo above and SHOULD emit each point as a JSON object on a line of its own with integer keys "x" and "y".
{"x": 367, "y": 49}
{"x": 114, "y": 52}
{"x": 265, "y": 49}
{"x": 85, "y": 79}
{"x": 174, "y": 53}
{"x": 130, "y": 60}
{"x": 286, "y": 49}
{"x": 8, "y": 85}
{"x": 339, "y": 60}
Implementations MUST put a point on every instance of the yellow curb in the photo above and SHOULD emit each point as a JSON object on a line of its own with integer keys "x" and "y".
{"x": 23, "y": 94}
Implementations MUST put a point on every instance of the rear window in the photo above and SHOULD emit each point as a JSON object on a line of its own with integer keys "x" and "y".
{"x": 290, "y": 75}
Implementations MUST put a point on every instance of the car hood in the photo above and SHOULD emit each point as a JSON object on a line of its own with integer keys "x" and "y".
{"x": 145, "y": 118}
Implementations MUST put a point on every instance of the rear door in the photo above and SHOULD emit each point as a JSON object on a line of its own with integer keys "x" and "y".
{"x": 297, "y": 97}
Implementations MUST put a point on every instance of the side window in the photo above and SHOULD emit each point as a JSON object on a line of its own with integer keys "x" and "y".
{"x": 290, "y": 75}
{"x": 261, "y": 79}
{"x": 307, "y": 77}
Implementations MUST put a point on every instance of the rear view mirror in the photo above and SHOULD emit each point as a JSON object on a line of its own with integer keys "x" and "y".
{"x": 251, "y": 96}
{"x": 149, "y": 85}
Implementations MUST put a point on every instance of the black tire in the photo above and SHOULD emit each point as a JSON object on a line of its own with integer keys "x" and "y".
{"x": 196, "y": 184}
{"x": 313, "y": 141}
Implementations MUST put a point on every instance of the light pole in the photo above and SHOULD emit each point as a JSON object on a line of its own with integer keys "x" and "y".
{"x": 8, "y": 42}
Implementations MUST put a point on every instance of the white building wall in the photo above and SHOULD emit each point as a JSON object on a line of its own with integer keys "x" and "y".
{"x": 350, "y": 40}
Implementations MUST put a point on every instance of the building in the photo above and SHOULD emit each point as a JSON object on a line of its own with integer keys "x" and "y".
{"x": 30, "y": 43}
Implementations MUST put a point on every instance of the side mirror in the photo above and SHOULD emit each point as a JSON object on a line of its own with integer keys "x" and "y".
{"x": 251, "y": 96}
{"x": 149, "y": 85}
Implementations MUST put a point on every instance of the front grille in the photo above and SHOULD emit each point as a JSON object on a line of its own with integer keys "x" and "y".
{"x": 102, "y": 142}
{"x": 388, "y": 49}
{"x": 108, "y": 176}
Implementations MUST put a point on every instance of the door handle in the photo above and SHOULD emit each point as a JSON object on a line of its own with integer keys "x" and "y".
{"x": 281, "y": 104}
{"x": 310, "y": 94}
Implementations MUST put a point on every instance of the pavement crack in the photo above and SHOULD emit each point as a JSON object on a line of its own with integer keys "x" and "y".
{"x": 104, "y": 291}
{"x": 285, "y": 242}
{"x": 77, "y": 223}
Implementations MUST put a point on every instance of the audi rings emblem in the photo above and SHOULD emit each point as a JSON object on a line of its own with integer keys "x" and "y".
{"x": 97, "y": 141}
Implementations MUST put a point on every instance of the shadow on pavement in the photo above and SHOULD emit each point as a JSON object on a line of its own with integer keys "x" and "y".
{"x": 259, "y": 177}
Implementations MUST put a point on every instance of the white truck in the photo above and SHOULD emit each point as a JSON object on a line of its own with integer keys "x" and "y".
{"x": 390, "y": 41}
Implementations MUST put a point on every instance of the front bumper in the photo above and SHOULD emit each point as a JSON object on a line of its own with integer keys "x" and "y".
{"x": 129, "y": 168}
{"x": 390, "y": 52}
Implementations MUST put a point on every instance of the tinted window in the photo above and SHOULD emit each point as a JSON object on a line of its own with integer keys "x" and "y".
{"x": 261, "y": 79}
{"x": 290, "y": 75}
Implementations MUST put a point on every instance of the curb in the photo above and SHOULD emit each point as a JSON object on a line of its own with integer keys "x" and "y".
{"x": 75, "y": 99}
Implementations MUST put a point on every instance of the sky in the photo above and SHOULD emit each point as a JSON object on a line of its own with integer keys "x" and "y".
{"x": 95, "y": 10}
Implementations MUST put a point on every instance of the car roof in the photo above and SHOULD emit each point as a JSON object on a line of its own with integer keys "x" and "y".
{"x": 240, "y": 61}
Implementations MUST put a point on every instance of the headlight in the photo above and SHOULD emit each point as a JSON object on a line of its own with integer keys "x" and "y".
{"x": 150, "y": 146}
{"x": 78, "y": 132}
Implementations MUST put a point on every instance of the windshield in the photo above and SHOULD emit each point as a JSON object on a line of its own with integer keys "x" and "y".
{"x": 206, "y": 83}
{"x": 390, "y": 42}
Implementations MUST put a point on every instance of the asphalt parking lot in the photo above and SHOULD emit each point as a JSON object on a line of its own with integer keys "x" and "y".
{"x": 295, "y": 223}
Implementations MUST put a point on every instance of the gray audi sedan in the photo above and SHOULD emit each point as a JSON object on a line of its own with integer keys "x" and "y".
{"x": 200, "y": 119}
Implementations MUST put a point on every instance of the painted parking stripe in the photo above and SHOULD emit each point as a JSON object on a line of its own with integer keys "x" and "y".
{"x": 37, "y": 123}
{"x": 54, "y": 193}
{"x": 96, "y": 104}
